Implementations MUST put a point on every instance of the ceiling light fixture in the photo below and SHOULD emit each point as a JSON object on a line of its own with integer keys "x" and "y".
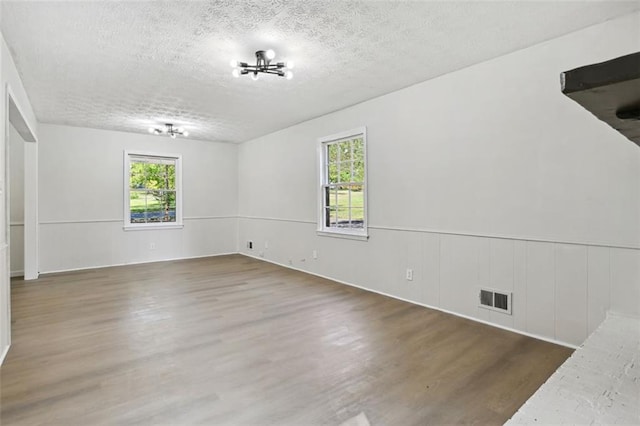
{"x": 169, "y": 130}
{"x": 263, "y": 65}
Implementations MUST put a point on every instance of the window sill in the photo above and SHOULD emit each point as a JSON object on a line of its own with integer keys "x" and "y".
{"x": 345, "y": 235}
{"x": 152, "y": 227}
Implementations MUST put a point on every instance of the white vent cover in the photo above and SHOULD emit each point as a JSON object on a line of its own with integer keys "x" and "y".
{"x": 495, "y": 300}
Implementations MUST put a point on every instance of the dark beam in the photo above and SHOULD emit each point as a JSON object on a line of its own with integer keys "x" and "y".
{"x": 609, "y": 90}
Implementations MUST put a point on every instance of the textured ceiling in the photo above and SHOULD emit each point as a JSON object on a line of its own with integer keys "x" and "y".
{"x": 128, "y": 65}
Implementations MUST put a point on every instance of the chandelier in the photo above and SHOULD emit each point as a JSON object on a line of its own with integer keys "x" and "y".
{"x": 263, "y": 65}
{"x": 169, "y": 130}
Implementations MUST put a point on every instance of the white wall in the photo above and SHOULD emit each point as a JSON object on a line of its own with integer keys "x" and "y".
{"x": 81, "y": 199}
{"x": 16, "y": 196}
{"x": 487, "y": 176}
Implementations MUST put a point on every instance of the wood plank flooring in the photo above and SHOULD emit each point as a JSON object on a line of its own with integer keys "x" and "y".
{"x": 235, "y": 341}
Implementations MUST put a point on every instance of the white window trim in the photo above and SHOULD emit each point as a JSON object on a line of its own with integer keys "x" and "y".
{"x": 128, "y": 226}
{"x": 322, "y": 230}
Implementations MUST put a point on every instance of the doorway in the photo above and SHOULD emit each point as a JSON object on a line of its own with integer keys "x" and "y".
{"x": 23, "y": 182}
{"x": 16, "y": 128}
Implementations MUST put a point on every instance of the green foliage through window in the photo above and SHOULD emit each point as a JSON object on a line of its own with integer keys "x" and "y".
{"x": 344, "y": 188}
{"x": 152, "y": 189}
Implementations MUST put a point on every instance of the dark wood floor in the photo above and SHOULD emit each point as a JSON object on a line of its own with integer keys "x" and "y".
{"x": 235, "y": 341}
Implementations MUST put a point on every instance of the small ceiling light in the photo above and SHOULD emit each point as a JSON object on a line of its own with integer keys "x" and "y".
{"x": 169, "y": 130}
{"x": 263, "y": 65}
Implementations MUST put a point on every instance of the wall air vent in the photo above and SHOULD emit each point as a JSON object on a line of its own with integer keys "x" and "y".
{"x": 486, "y": 297}
{"x": 495, "y": 300}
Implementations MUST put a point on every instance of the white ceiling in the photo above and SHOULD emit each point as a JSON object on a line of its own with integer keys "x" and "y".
{"x": 128, "y": 65}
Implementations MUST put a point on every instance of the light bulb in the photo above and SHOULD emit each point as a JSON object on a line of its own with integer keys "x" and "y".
{"x": 290, "y": 64}
{"x": 270, "y": 54}
{"x": 288, "y": 75}
{"x": 185, "y": 134}
{"x": 152, "y": 130}
{"x": 235, "y": 72}
{"x": 254, "y": 76}
{"x": 180, "y": 129}
{"x": 173, "y": 135}
{"x": 233, "y": 63}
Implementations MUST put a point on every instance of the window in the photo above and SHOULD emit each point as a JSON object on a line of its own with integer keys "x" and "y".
{"x": 152, "y": 193}
{"x": 343, "y": 195}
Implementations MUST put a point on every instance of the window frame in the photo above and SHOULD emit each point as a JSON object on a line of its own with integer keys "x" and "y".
{"x": 177, "y": 158}
{"x": 322, "y": 229}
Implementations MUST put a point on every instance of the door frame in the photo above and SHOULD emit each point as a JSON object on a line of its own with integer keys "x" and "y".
{"x": 31, "y": 234}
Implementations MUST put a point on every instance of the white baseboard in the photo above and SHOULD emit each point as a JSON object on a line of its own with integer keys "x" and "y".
{"x": 17, "y": 274}
{"x": 524, "y": 333}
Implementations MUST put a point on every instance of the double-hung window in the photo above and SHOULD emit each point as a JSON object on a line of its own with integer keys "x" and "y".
{"x": 343, "y": 185}
{"x": 152, "y": 191}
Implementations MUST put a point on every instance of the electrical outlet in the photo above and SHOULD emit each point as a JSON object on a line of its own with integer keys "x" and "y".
{"x": 290, "y": 262}
{"x": 409, "y": 274}
{"x": 250, "y": 245}
{"x": 261, "y": 254}
{"x": 315, "y": 254}
{"x": 152, "y": 246}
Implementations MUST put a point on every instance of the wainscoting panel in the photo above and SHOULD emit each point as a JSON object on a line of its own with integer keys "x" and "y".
{"x": 598, "y": 286}
{"x": 502, "y": 275}
{"x": 459, "y": 274}
{"x": 80, "y": 245}
{"x": 625, "y": 280}
{"x": 571, "y": 293}
{"x": 540, "y": 290}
